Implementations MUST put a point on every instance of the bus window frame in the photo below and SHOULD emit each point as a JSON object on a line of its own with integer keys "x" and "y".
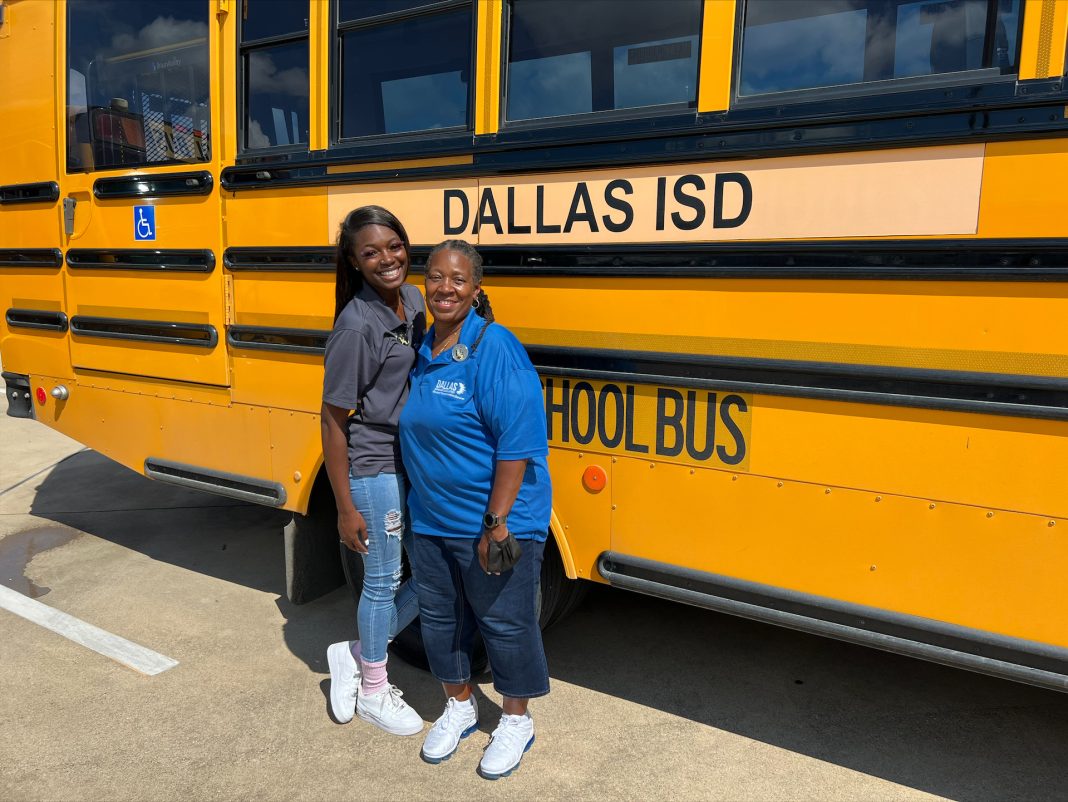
{"x": 863, "y": 90}
{"x": 608, "y": 117}
{"x": 243, "y": 49}
{"x": 408, "y": 143}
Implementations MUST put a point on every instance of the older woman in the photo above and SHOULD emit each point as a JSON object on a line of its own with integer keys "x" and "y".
{"x": 474, "y": 446}
{"x": 378, "y": 323}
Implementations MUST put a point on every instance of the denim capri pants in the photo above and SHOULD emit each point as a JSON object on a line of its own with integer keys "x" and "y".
{"x": 457, "y": 599}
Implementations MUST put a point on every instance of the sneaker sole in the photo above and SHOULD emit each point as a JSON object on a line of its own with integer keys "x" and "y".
{"x": 391, "y": 731}
{"x": 335, "y": 670}
{"x": 485, "y": 775}
{"x": 433, "y": 761}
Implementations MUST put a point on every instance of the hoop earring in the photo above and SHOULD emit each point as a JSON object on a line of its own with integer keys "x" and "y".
{"x": 477, "y": 302}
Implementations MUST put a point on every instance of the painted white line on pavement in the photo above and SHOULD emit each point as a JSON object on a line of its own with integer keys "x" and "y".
{"x": 126, "y": 652}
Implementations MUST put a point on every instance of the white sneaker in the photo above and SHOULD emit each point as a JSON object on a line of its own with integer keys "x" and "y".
{"x": 459, "y": 720}
{"x": 344, "y": 681}
{"x": 387, "y": 711}
{"x": 512, "y": 738}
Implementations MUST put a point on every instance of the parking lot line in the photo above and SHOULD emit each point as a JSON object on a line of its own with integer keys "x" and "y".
{"x": 101, "y": 641}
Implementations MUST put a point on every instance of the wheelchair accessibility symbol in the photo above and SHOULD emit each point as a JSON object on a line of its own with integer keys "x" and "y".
{"x": 144, "y": 223}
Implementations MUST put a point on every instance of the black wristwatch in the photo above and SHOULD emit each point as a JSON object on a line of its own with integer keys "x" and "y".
{"x": 492, "y": 520}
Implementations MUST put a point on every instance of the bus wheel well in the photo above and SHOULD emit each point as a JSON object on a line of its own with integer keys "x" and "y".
{"x": 313, "y": 561}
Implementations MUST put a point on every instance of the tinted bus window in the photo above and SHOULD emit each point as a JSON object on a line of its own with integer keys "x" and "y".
{"x": 568, "y": 58}
{"x": 406, "y": 75}
{"x": 261, "y": 19}
{"x": 807, "y": 44}
{"x": 274, "y": 62}
{"x": 137, "y": 90}
{"x": 364, "y": 9}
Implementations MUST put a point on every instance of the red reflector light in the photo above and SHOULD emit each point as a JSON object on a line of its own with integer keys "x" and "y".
{"x": 42, "y": 396}
{"x": 594, "y": 479}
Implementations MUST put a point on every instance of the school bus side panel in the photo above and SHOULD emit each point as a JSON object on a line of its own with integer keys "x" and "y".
{"x": 28, "y": 157}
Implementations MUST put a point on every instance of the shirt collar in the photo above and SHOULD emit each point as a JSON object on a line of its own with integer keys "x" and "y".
{"x": 469, "y": 330}
{"x": 386, "y": 316}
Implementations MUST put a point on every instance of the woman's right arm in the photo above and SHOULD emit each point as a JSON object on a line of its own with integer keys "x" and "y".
{"x": 350, "y": 524}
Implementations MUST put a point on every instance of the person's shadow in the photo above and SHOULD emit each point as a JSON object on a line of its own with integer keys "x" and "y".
{"x": 941, "y": 730}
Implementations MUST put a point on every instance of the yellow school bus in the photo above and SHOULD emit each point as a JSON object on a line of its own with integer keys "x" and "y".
{"x": 794, "y": 273}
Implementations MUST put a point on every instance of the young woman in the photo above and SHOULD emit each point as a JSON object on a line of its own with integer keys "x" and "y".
{"x": 379, "y": 321}
{"x": 474, "y": 445}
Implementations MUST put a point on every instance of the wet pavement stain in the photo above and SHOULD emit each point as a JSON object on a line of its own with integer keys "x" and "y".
{"x": 17, "y": 550}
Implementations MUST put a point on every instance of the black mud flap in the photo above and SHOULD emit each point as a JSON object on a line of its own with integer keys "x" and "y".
{"x": 19, "y": 398}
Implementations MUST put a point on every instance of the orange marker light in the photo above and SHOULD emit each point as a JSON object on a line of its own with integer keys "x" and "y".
{"x": 594, "y": 478}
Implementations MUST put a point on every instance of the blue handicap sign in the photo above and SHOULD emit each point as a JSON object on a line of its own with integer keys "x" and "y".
{"x": 144, "y": 223}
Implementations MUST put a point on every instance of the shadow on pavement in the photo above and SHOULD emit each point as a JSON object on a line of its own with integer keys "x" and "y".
{"x": 230, "y": 540}
{"x": 919, "y": 724}
{"x": 906, "y": 721}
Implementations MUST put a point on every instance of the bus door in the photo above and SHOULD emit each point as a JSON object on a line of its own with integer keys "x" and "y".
{"x": 33, "y": 327}
{"x": 142, "y": 224}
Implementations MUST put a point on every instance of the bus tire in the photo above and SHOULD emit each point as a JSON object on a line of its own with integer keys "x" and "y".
{"x": 310, "y": 541}
{"x": 559, "y": 595}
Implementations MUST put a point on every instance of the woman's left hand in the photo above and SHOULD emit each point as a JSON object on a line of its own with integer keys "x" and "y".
{"x": 498, "y": 534}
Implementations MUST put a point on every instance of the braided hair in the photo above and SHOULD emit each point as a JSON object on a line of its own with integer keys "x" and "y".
{"x": 348, "y": 281}
{"x": 467, "y": 250}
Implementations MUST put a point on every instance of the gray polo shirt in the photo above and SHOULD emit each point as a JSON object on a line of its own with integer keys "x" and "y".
{"x": 368, "y": 357}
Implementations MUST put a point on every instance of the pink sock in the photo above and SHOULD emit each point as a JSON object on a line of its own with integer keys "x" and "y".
{"x": 354, "y": 647}
{"x": 375, "y": 678}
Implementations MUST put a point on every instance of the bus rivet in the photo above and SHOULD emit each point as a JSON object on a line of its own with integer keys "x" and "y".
{"x": 734, "y": 478}
{"x": 878, "y": 498}
{"x": 778, "y": 484}
{"x": 827, "y": 491}
{"x": 990, "y": 515}
{"x": 872, "y": 568}
{"x": 692, "y": 471}
{"x": 296, "y": 476}
{"x": 613, "y": 506}
{"x": 652, "y": 464}
{"x": 931, "y": 506}
{"x": 613, "y": 459}
{"x": 1052, "y": 523}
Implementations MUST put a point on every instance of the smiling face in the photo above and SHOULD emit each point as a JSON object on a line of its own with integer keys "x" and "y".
{"x": 380, "y": 256}
{"x": 450, "y": 288}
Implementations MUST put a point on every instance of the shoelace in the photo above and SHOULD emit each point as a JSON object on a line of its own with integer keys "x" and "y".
{"x": 393, "y": 697}
{"x": 452, "y": 707}
{"x": 509, "y": 732}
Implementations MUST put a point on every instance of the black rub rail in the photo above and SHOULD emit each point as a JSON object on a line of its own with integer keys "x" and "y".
{"x": 986, "y": 393}
{"x": 31, "y": 257}
{"x": 190, "y": 334}
{"x": 38, "y": 192}
{"x": 937, "y": 641}
{"x": 36, "y": 319}
{"x": 166, "y": 185}
{"x": 172, "y": 261}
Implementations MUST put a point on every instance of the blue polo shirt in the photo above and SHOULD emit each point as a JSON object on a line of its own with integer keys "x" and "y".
{"x": 463, "y": 416}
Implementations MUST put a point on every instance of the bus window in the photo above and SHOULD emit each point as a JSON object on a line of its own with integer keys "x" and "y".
{"x": 405, "y": 66}
{"x": 137, "y": 92}
{"x": 568, "y": 58}
{"x": 274, "y": 64}
{"x": 807, "y": 44}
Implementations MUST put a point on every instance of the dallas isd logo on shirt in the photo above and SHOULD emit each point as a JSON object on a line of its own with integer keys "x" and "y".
{"x": 451, "y": 389}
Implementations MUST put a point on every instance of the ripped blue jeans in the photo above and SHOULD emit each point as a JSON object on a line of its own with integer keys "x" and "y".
{"x": 386, "y": 605}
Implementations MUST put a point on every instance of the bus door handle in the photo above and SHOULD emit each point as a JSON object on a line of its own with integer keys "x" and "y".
{"x": 77, "y": 210}
{"x": 68, "y": 215}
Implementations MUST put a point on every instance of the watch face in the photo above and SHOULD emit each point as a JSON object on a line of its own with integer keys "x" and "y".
{"x": 490, "y": 520}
